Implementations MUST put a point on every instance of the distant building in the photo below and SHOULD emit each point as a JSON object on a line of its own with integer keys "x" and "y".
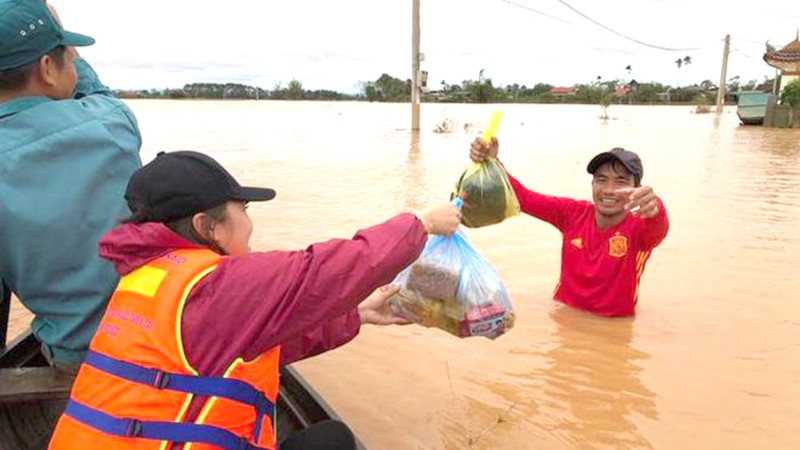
{"x": 622, "y": 91}
{"x": 129, "y": 94}
{"x": 562, "y": 91}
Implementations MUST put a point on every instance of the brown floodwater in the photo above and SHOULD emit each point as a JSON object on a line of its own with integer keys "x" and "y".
{"x": 711, "y": 360}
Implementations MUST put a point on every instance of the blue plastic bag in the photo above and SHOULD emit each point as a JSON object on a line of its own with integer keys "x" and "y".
{"x": 452, "y": 287}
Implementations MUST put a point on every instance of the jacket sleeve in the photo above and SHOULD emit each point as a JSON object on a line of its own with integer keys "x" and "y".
{"x": 328, "y": 336}
{"x": 88, "y": 81}
{"x": 264, "y": 299}
{"x": 97, "y": 99}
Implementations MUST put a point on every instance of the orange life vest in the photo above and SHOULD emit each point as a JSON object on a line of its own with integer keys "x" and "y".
{"x": 134, "y": 388}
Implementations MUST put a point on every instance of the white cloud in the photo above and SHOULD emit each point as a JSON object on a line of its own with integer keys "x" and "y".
{"x": 334, "y": 45}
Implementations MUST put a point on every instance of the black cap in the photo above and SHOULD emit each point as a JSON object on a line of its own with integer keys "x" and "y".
{"x": 627, "y": 158}
{"x": 179, "y": 184}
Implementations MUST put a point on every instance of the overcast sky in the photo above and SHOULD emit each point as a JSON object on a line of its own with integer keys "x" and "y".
{"x": 334, "y": 44}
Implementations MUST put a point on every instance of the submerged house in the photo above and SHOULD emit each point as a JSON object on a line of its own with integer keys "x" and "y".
{"x": 787, "y": 60}
{"x": 561, "y": 92}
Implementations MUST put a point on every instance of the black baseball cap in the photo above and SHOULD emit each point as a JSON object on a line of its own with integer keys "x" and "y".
{"x": 179, "y": 184}
{"x": 627, "y": 158}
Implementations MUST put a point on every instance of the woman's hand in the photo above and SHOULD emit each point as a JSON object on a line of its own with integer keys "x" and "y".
{"x": 376, "y": 310}
{"x": 443, "y": 219}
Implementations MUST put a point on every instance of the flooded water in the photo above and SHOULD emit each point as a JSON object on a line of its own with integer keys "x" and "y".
{"x": 712, "y": 359}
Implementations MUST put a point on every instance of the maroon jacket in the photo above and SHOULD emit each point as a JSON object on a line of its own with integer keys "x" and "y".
{"x": 303, "y": 300}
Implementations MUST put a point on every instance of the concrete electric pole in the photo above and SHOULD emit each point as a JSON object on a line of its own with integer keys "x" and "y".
{"x": 724, "y": 75}
{"x": 415, "y": 73}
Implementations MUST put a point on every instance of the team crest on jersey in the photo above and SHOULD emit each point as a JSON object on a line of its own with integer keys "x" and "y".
{"x": 618, "y": 246}
{"x": 577, "y": 243}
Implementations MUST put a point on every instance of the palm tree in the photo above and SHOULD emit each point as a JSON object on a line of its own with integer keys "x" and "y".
{"x": 679, "y": 62}
{"x": 686, "y": 61}
{"x": 628, "y": 69}
{"x": 481, "y": 98}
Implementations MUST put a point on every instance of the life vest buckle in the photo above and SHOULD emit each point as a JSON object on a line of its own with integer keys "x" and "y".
{"x": 133, "y": 428}
{"x": 263, "y": 405}
{"x": 244, "y": 444}
{"x": 162, "y": 380}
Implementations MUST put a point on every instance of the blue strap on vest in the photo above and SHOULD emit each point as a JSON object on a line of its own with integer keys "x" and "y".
{"x": 235, "y": 390}
{"x": 161, "y": 431}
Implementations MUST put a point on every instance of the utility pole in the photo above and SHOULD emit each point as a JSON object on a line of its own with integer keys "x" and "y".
{"x": 415, "y": 66}
{"x": 724, "y": 75}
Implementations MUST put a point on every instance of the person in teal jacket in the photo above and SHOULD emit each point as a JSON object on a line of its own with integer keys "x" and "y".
{"x": 67, "y": 150}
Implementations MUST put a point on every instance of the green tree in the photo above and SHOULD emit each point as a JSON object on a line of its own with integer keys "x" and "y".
{"x": 687, "y": 60}
{"x": 605, "y": 102}
{"x": 701, "y": 104}
{"x": 587, "y": 93}
{"x": 482, "y": 91}
{"x": 679, "y": 63}
{"x": 750, "y": 85}
{"x": 277, "y": 92}
{"x": 541, "y": 89}
{"x": 295, "y": 90}
{"x": 791, "y": 96}
{"x": 390, "y": 89}
{"x": 734, "y": 85}
{"x": 606, "y": 96}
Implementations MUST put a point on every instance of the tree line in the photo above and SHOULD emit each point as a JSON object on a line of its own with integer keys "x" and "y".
{"x": 391, "y": 89}
{"x": 223, "y": 91}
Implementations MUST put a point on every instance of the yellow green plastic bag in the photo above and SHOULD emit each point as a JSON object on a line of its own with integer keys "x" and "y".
{"x": 487, "y": 194}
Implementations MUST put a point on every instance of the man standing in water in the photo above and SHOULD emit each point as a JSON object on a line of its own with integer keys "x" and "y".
{"x": 67, "y": 150}
{"x": 607, "y": 242}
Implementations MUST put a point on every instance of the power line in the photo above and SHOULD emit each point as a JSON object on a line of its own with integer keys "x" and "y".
{"x": 624, "y": 36}
{"x": 537, "y": 12}
{"x": 744, "y": 54}
{"x": 752, "y": 41}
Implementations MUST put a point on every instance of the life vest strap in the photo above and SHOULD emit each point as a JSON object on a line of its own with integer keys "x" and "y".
{"x": 235, "y": 390}
{"x": 161, "y": 431}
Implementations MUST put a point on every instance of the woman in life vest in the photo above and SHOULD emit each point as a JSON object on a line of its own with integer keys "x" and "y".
{"x": 188, "y": 352}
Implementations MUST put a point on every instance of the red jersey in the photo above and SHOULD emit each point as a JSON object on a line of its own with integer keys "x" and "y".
{"x": 600, "y": 269}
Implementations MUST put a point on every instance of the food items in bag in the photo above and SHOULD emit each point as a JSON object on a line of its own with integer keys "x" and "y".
{"x": 452, "y": 287}
{"x": 489, "y": 317}
{"x": 433, "y": 282}
{"x": 491, "y": 321}
{"x": 427, "y": 312}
